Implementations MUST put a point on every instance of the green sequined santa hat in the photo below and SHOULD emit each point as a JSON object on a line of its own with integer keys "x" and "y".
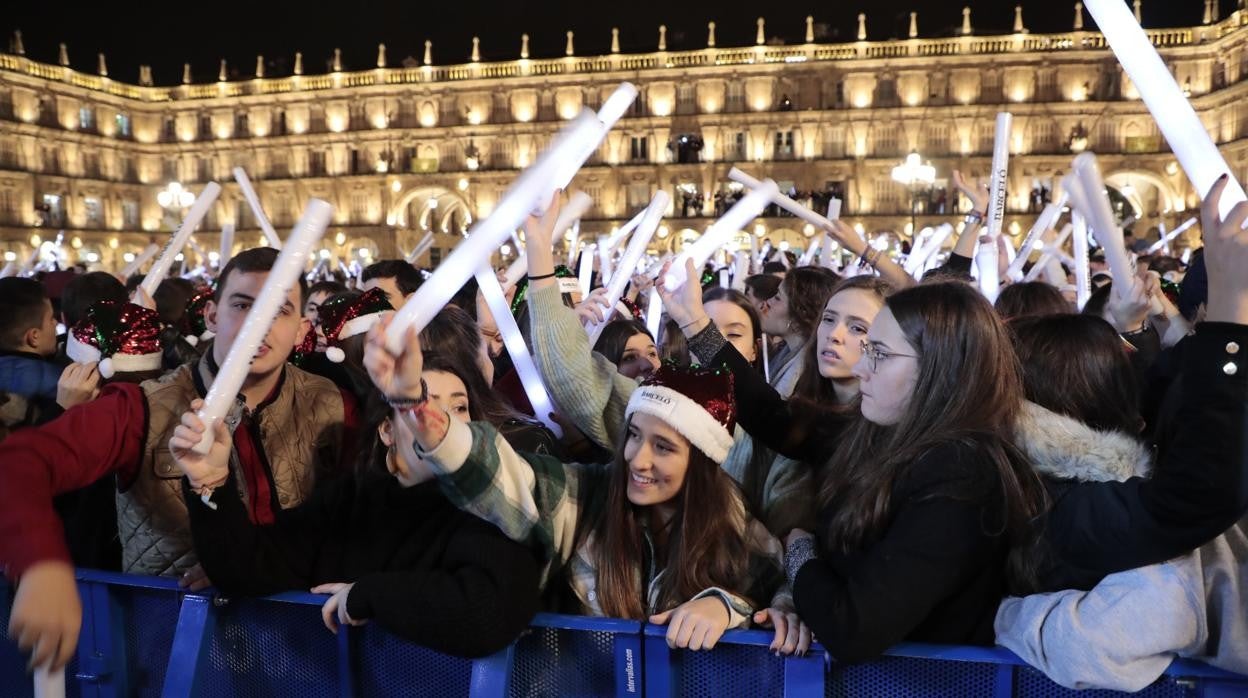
{"x": 122, "y": 337}
{"x": 345, "y": 316}
{"x": 568, "y": 283}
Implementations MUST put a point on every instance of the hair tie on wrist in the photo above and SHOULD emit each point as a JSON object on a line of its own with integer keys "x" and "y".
{"x": 551, "y": 275}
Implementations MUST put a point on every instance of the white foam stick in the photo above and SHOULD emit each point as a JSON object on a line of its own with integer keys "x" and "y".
{"x": 268, "y": 303}
{"x": 754, "y": 252}
{"x": 489, "y": 233}
{"x": 585, "y": 275}
{"x": 1168, "y": 237}
{"x": 227, "y": 245}
{"x": 419, "y": 249}
{"x": 986, "y": 255}
{"x": 742, "y": 270}
{"x": 1174, "y": 114}
{"x": 570, "y": 215}
{"x": 29, "y": 264}
{"x": 766, "y": 359}
{"x": 249, "y": 193}
{"x": 575, "y": 245}
{"x": 721, "y": 232}
{"x": 49, "y": 684}
{"x": 1083, "y": 277}
{"x": 10, "y": 269}
{"x": 762, "y": 255}
{"x": 654, "y": 313}
{"x": 606, "y": 268}
{"x": 610, "y": 112}
{"x": 646, "y": 226}
{"x": 786, "y": 203}
{"x": 724, "y": 280}
{"x": 834, "y": 208}
{"x": 515, "y": 240}
{"x": 1100, "y": 214}
{"x": 916, "y": 263}
{"x": 1046, "y": 220}
{"x": 811, "y": 249}
{"x": 142, "y": 258}
{"x": 178, "y": 240}
{"x": 516, "y": 271}
{"x": 526, "y": 370}
{"x": 1048, "y": 252}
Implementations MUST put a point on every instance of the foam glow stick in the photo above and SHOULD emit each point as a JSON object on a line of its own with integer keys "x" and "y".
{"x": 763, "y": 254}
{"x": 646, "y": 226}
{"x": 1046, "y": 220}
{"x": 786, "y": 203}
{"x": 811, "y": 249}
{"x": 489, "y": 233}
{"x": 914, "y": 265}
{"x": 1083, "y": 277}
{"x": 178, "y": 240}
{"x": 49, "y": 684}
{"x": 1049, "y": 251}
{"x": 569, "y": 216}
{"x": 1098, "y": 211}
{"x": 29, "y": 264}
{"x": 1178, "y": 122}
{"x": 754, "y": 253}
{"x": 143, "y": 258}
{"x": 526, "y": 370}
{"x": 419, "y": 249}
{"x": 721, "y": 232}
{"x": 605, "y": 251}
{"x": 834, "y": 208}
{"x": 268, "y": 303}
{"x": 610, "y": 112}
{"x": 515, "y": 240}
{"x": 516, "y": 271}
{"x": 585, "y": 275}
{"x": 575, "y": 245}
{"x": 249, "y": 193}
{"x": 1165, "y": 240}
{"x": 654, "y": 313}
{"x": 742, "y": 270}
{"x": 986, "y": 255}
{"x": 227, "y": 245}
{"x": 10, "y": 269}
{"x": 766, "y": 359}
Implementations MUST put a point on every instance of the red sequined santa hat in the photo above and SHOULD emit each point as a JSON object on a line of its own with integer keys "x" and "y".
{"x": 343, "y": 316}
{"x": 696, "y": 402}
{"x": 122, "y": 337}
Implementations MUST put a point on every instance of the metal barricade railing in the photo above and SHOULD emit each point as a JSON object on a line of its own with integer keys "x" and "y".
{"x": 143, "y": 636}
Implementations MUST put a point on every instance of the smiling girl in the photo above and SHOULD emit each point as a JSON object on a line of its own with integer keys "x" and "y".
{"x": 627, "y": 535}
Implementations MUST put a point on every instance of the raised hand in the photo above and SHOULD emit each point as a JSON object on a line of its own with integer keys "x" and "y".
{"x": 683, "y": 304}
{"x": 974, "y": 190}
{"x": 47, "y": 614}
{"x": 594, "y": 308}
{"x": 78, "y": 383}
{"x": 204, "y": 471}
{"x": 1226, "y": 258}
{"x": 539, "y": 233}
{"x": 396, "y": 376}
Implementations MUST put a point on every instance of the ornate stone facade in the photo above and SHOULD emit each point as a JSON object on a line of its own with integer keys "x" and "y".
{"x": 402, "y": 150}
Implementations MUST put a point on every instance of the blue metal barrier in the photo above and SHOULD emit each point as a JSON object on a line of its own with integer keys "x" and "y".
{"x": 143, "y": 636}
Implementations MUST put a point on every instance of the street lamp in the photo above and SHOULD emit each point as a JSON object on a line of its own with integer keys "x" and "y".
{"x": 174, "y": 197}
{"x": 913, "y": 173}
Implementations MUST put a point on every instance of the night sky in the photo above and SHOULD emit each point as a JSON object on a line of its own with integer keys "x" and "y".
{"x": 166, "y": 34}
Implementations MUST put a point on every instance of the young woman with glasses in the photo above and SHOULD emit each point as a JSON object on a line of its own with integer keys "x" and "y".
{"x": 922, "y": 494}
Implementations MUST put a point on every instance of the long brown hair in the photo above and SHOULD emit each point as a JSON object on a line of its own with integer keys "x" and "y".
{"x": 812, "y": 390}
{"x": 706, "y": 544}
{"x": 969, "y": 390}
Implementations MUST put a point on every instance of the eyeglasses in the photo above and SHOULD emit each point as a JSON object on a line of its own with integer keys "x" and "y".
{"x": 874, "y": 355}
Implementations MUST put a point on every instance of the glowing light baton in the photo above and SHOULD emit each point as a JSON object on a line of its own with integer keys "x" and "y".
{"x": 178, "y": 239}
{"x": 526, "y": 370}
{"x": 488, "y": 234}
{"x": 786, "y": 203}
{"x": 1174, "y": 114}
{"x": 721, "y": 232}
{"x": 142, "y": 258}
{"x": 425, "y": 243}
{"x": 1083, "y": 277}
{"x": 606, "y": 250}
{"x": 654, "y": 313}
{"x": 1097, "y": 210}
{"x": 610, "y": 112}
{"x": 249, "y": 193}
{"x": 811, "y": 249}
{"x": 742, "y": 270}
{"x": 1168, "y": 237}
{"x": 268, "y": 303}
{"x": 1046, "y": 220}
{"x": 49, "y": 684}
{"x": 585, "y": 274}
{"x": 227, "y": 245}
{"x": 766, "y": 359}
{"x": 986, "y": 255}
{"x": 646, "y": 226}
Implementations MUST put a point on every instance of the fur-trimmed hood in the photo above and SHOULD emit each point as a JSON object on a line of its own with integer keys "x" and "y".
{"x": 1068, "y": 449}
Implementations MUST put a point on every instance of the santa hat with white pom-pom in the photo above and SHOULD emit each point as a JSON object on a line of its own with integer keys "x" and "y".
{"x": 122, "y": 337}
{"x": 345, "y": 316}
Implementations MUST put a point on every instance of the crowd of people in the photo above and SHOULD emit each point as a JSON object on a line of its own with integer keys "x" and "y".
{"x": 847, "y": 455}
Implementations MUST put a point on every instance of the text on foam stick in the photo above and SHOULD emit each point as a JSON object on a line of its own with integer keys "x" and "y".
{"x": 178, "y": 240}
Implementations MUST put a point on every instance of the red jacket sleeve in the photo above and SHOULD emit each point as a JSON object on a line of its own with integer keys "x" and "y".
{"x": 74, "y": 450}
